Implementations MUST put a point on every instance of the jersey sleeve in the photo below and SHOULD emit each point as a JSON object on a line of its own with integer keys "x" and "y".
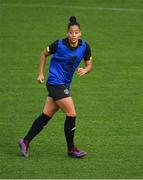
{"x": 87, "y": 55}
{"x": 52, "y": 47}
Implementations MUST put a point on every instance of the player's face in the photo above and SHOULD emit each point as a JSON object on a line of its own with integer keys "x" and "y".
{"x": 74, "y": 34}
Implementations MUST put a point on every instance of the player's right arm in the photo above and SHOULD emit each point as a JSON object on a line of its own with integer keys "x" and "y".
{"x": 43, "y": 57}
{"x": 51, "y": 49}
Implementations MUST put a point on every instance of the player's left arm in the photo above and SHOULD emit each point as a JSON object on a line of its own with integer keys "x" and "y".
{"x": 88, "y": 62}
{"x": 84, "y": 70}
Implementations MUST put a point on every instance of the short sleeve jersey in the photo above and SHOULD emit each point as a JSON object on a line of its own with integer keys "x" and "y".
{"x": 65, "y": 60}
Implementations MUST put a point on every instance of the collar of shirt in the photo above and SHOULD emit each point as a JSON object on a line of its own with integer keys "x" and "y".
{"x": 66, "y": 43}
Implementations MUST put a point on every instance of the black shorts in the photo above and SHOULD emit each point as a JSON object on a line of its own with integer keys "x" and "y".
{"x": 58, "y": 91}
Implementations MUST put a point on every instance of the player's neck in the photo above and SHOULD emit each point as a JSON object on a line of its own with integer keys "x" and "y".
{"x": 75, "y": 44}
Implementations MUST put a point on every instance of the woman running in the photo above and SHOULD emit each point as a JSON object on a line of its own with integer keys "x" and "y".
{"x": 66, "y": 56}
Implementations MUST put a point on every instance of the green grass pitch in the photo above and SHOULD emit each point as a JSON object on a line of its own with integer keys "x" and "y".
{"x": 109, "y": 101}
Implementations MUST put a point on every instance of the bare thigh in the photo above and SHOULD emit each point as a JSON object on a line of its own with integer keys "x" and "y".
{"x": 67, "y": 105}
{"x": 50, "y": 107}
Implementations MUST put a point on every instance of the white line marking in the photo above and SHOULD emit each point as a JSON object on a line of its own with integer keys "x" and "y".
{"x": 70, "y": 7}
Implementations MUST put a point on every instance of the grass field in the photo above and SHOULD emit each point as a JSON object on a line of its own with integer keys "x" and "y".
{"x": 109, "y": 101}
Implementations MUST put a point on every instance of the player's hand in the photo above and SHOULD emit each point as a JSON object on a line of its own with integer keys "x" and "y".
{"x": 40, "y": 78}
{"x": 81, "y": 71}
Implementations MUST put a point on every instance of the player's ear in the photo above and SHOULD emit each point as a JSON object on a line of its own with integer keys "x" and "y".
{"x": 67, "y": 34}
{"x": 80, "y": 34}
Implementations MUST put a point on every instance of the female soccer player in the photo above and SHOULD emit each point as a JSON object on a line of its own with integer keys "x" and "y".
{"x": 67, "y": 54}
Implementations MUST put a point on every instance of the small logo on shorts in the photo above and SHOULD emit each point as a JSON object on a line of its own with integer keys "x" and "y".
{"x": 66, "y": 91}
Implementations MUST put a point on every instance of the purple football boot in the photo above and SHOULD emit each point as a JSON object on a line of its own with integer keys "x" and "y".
{"x": 24, "y": 146}
{"x": 76, "y": 152}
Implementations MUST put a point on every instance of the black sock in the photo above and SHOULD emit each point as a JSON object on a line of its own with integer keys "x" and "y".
{"x": 69, "y": 129}
{"x": 37, "y": 126}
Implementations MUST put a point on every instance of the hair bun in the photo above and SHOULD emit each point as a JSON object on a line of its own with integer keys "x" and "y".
{"x": 72, "y": 19}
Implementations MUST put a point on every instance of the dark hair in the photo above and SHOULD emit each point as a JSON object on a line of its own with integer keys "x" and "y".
{"x": 73, "y": 22}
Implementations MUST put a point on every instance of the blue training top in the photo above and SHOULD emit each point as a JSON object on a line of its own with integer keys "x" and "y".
{"x": 64, "y": 63}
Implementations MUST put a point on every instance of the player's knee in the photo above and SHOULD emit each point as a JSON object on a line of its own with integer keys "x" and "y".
{"x": 72, "y": 114}
{"x": 50, "y": 113}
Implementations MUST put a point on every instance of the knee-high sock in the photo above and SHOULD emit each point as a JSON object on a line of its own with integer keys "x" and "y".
{"x": 37, "y": 126}
{"x": 69, "y": 129}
